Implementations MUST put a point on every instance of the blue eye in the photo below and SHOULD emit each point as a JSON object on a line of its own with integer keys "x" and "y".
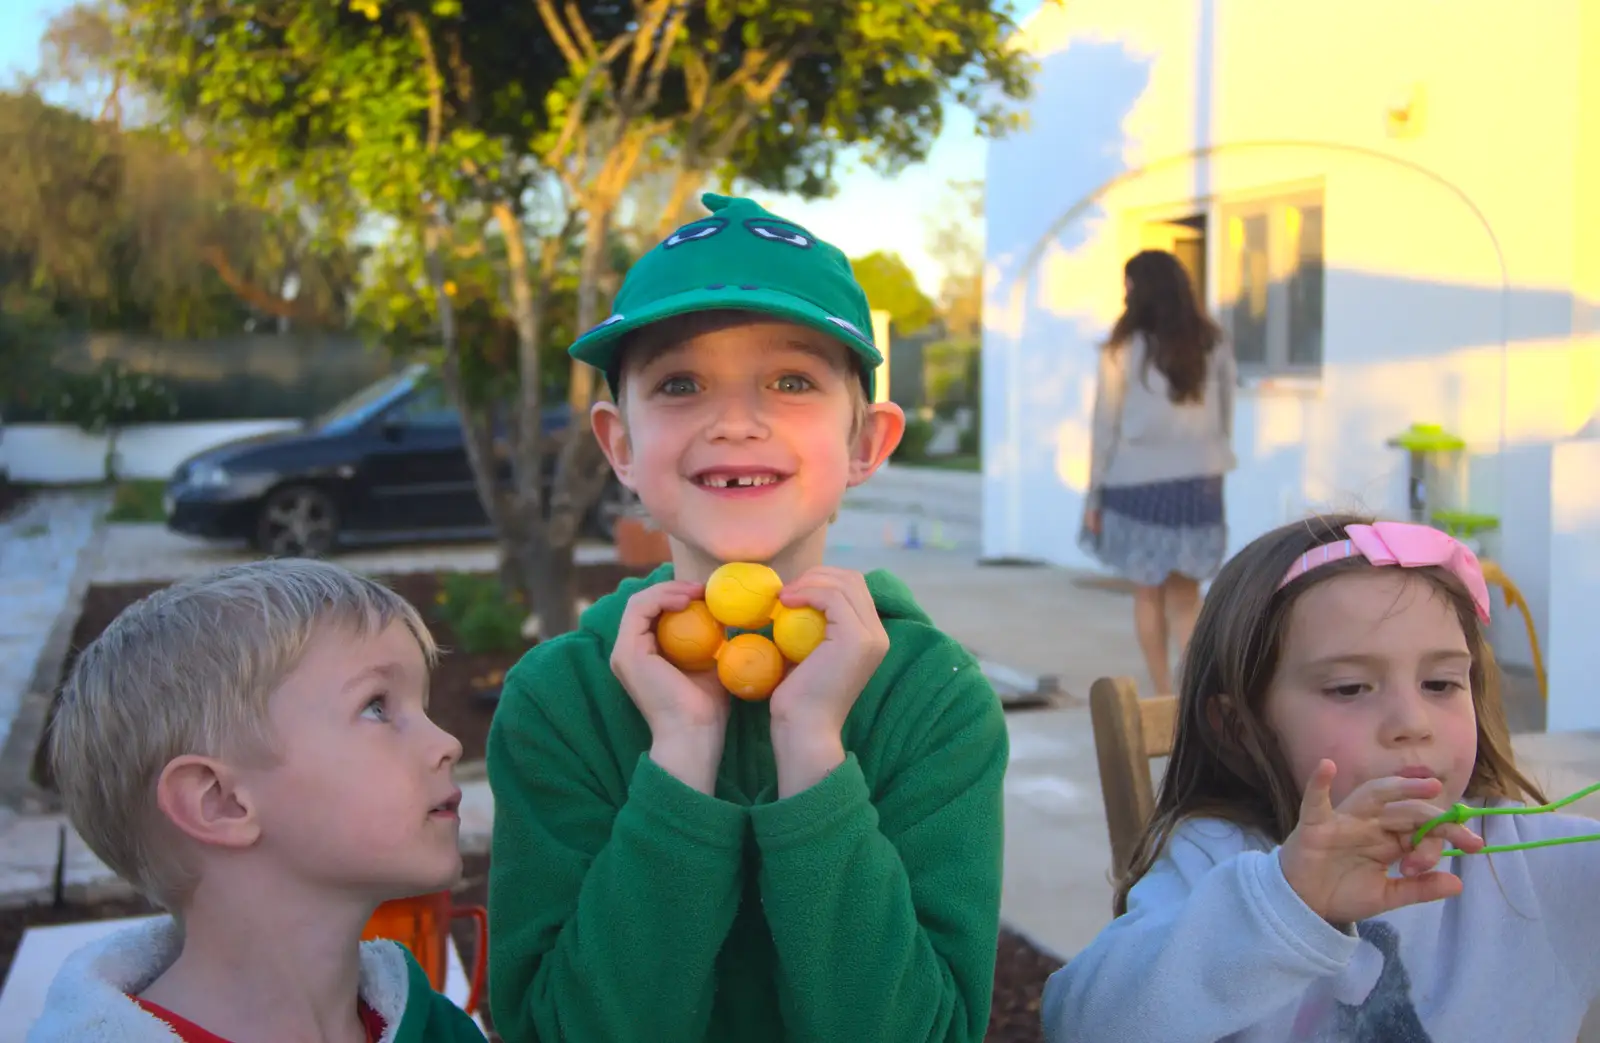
{"x": 377, "y": 709}
{"x": 794, "y": 382}
{"x": 677, "y": 386}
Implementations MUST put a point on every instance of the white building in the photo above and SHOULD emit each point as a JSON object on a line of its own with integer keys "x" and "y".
{"x": 1395, "y": 211}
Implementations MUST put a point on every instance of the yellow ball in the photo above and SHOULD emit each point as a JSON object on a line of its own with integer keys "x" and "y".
{"x": 750, "y": 666}
{"x": 797, "y": 631}
{"x": 689, "y": 639}
{"x": 741, "y": 594}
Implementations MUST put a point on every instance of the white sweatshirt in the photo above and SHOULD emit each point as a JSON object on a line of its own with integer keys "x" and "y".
{"x": 1217, "y": 946}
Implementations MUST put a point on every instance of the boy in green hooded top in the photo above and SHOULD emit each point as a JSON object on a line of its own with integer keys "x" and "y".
{"x": 673, "y": 865}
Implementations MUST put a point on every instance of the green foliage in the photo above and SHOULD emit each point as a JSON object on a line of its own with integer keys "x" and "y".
{"x": 483, "y": 616}
{"x": 891, "y": 287}
{"x": 112, "y": 396}
{"x": 913, "y": 447}
{"x": 137, "y": 501}
{"x": 111, "y": 229}
{"x": 947, "y": 369}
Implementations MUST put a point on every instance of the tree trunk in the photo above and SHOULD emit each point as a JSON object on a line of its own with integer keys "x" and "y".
{"x": 476, "y": 428}
{"x": 552, "y": 579}
{"x": 581, "y": 468}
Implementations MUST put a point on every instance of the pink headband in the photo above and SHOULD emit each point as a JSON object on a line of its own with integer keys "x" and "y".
{"x": 1407, "y": 545}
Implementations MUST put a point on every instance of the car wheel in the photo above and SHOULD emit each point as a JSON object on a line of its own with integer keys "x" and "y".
{"x": 297, "y": 521}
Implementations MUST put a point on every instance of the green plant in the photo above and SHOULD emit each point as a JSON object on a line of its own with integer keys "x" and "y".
{"x": 483, "y": 616}
{"x": 137, "y": 501}
{"x": 914, "y": 443}
{"x": 106, "y": 400}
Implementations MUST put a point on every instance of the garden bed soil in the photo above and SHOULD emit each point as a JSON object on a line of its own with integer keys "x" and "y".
{"x": 1019, "y": 974}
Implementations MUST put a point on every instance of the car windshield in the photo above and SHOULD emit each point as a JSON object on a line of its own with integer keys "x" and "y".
{"x": 361, "y": 406}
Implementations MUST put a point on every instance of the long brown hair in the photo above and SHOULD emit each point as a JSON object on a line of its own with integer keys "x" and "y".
{"x": 1179, "y": 336}
{"x": 1226, "y": 763}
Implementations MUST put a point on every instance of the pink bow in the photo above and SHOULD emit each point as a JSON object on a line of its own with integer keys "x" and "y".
{"x": 1408, "y": 545}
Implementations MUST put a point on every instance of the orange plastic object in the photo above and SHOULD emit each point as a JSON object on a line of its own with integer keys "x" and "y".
{"x": 742, "y": 594}
{"x": 422, "y": 924}
{"x": 750, "y": 666}
{"x": 690, "y": 639}
{"x": 798, "y": 631}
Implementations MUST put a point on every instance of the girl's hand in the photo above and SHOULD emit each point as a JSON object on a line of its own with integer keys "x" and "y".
{"x": 1091, "y": 521}
{"x": 1337, "y": 859}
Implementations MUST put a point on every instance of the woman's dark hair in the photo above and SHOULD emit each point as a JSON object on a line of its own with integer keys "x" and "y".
{"x": 1226, "y": 762}
{"x": 1178, "y": 334}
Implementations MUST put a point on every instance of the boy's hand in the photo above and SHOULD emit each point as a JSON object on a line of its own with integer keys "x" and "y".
{"x": 1337, "y": 859}
{"x": 810, "y": 707}
{"x": 687, "y": 713}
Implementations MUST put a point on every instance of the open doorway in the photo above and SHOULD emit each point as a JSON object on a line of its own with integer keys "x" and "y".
{"x": 1184, "y": 238}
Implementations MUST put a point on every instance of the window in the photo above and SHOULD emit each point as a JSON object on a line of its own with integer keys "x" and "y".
{"x": 427, "y": 407}
{"x": 1272, "y": 283}
{"x": 1184, "y": 238}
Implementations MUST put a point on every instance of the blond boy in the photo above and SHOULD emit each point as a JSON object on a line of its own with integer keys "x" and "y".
{"x": 252, "y": 751}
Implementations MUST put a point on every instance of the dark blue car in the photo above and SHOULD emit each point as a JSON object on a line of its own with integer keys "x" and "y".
{"x": 387, "y": 464}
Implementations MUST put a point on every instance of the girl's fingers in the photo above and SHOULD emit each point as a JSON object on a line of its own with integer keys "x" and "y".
{"x": 1427, "y": 887}
{"x": 1316, "y": 805}
{"x": 1371, "y": 799}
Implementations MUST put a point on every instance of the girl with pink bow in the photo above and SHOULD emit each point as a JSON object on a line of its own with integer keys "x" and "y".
{"x": 1339, "y": 694}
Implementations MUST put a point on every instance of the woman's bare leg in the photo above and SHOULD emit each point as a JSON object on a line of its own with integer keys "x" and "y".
{"x": 1182, "y": 599}
{"x": 1150, "y": 623}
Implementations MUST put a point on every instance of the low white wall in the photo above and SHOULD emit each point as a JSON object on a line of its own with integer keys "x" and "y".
{"x": 1573, "y": 652}
{"x": 58, "y": 454}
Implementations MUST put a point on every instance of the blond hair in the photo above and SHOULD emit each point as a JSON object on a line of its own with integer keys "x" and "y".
{"x": 189, "y": 670}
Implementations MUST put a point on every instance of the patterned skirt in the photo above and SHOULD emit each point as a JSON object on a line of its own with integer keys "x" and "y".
{"x": 1149, "y": 531}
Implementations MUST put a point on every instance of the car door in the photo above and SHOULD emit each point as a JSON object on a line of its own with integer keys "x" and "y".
{"x": 415, "y": 473}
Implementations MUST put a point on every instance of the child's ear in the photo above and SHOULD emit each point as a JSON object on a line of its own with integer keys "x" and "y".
{"x": 202, "y": 797}
{"x": 880, "y": 434}
{"x": 612, "y": 433}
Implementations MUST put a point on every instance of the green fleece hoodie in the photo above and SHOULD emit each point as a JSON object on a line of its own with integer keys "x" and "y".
{"x": 626, "y": 906}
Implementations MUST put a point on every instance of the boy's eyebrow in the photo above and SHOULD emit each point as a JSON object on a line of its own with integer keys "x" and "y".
{"x": 382, "y": 672}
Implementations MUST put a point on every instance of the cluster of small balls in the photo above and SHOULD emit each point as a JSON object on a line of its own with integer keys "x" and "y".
{"x": 743, "y": 595}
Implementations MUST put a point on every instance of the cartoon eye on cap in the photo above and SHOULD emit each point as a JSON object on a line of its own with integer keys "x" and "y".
{"x": 779, "y": 232}
{"x": 695, "y": 231}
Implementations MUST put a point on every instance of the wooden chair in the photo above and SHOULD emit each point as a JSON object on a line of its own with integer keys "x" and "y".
{"x": 1128, "y": 733}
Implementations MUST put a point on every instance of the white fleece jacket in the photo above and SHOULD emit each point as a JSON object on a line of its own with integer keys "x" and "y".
{"x": 88, "y": 1002}
{"x": 1216, "y": 946}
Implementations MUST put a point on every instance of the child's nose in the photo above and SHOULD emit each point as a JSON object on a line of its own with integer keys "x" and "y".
{"x": 738, "y": 416}
{"x": 1409, "y": 718}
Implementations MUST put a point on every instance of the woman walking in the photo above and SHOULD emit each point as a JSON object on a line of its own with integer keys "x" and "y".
{"x": 1162, "y": 441}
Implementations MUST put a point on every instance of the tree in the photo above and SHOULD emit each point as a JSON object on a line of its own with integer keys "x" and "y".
{"x": 500, "y": 140}
{"x": 956, "y": 241}
{"x": 892, "y": 287}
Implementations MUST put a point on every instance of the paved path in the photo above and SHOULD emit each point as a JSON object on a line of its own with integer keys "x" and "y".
{"x": 40, "y": 546}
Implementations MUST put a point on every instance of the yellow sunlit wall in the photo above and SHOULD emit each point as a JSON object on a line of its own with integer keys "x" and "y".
{"x": 1433, "y": 132}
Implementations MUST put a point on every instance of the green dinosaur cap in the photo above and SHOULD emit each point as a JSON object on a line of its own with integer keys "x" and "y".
{"x": 745, "y": 258}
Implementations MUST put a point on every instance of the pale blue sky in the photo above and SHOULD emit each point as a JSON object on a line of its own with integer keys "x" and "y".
{"x": 868, "y": 213}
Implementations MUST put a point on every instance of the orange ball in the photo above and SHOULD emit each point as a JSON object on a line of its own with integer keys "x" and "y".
{"x": 690, "y": 639}
{"x": 797, "y": 631}
{"x": 750, "y": 666}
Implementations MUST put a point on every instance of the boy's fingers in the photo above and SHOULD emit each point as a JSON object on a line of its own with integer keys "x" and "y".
{"x": 673, "y": 596}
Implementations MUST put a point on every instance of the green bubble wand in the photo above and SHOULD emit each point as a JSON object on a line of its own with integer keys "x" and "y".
{"x": 1459, "y": 813}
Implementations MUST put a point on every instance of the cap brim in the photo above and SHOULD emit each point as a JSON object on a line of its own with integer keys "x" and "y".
{"x": 598, "y": 347}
